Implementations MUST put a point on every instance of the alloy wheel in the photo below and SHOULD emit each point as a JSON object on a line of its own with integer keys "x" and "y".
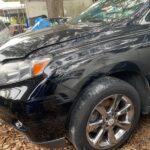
{"x": 109, "y": 121}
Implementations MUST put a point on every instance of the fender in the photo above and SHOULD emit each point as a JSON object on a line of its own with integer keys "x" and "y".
{"x": 78, "y": 83}
{"x": 76, "y": 74}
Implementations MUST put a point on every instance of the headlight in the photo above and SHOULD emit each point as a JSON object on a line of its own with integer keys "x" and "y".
{"x": 20, "y": 70}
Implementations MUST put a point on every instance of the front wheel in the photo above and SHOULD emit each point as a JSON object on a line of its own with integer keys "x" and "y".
{"x": 105, "y": 115}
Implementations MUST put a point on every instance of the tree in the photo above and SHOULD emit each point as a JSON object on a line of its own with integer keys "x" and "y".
{"x": 55, "y": 8}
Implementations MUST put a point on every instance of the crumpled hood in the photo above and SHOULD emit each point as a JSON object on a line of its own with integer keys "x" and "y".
{"x": 24, "y": 44}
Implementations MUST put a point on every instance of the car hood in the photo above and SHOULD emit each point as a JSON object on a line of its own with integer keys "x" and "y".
{"x": 22, "y": 45}
{"x": 59, "y": 37}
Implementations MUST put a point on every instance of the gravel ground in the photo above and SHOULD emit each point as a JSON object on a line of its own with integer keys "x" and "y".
{"x": 10, "y": 139}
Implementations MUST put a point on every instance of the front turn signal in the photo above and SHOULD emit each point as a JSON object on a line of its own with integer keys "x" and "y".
{"x": 39, "y": 66}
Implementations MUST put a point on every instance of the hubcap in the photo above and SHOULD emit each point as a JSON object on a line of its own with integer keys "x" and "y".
{"x": 109, "y": 121}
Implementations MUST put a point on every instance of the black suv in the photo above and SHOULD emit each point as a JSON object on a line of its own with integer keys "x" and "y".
{"x": 87, "y": 81}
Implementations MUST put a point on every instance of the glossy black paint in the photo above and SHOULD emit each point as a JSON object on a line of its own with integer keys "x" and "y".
{"x": 81, "y": 53}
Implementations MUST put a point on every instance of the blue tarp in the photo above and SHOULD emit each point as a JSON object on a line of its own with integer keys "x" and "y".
{"x": 41, "y": 23}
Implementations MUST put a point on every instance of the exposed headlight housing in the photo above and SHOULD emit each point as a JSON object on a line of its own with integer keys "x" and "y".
{"x": 21, "y": 70}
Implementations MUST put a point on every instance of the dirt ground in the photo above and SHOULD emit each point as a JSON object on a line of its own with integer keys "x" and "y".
{"x": 12, "y": 140}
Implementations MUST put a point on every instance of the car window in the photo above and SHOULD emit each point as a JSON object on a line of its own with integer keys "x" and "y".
{"x": 109, "y": 11}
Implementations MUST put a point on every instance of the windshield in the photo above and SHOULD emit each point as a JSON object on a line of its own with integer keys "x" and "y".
{"x": 109, "y": 11}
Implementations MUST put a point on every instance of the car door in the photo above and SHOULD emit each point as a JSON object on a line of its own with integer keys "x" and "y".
{"x": 144, "y": 46}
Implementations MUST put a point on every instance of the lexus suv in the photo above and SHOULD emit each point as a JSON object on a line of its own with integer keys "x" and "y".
{"x": 87, "y": 81}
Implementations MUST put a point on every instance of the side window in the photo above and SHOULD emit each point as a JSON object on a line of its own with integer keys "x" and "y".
{"x": 147, "y": 19}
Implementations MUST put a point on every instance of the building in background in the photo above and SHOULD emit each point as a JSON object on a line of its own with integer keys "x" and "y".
{"x": 71, "y": 8}
{"x": 35, "y": 8}
{"x": 13, "y": 16}
{"x": 12, "y": 10}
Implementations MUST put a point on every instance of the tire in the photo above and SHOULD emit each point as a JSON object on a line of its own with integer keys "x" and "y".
{"x": 92, "y": 98}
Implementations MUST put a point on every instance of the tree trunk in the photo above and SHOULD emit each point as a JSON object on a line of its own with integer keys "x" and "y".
{"x": 55, "y": 8}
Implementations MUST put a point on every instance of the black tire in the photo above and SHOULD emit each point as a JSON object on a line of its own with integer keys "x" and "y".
{"x": 87, "y": 101}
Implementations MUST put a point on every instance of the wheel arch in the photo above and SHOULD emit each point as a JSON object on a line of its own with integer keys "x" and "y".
{"x": 128, "y": 72}
{"x": 140, "y": 83}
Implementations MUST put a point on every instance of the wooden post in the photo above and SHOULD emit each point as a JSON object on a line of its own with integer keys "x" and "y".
{"x": 55, "y": 8}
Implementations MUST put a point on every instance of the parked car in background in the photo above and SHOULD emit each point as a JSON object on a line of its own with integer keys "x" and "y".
{"x": 86, "y": 81}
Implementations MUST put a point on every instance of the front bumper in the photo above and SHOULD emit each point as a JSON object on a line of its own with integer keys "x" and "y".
{"x": 38, "y": 107}
{"x": 53, "y": 144}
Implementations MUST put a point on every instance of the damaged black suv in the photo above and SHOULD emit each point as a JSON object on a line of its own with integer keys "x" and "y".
{"x": 86, "y": 81}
